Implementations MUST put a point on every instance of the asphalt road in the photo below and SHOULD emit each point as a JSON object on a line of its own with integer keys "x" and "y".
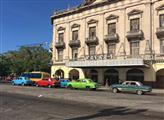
{"x": 24, "y": 107}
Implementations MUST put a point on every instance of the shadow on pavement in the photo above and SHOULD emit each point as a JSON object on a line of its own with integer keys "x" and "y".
{"x": 110, "y": 112}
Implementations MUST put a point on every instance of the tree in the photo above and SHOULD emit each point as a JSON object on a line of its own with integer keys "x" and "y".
{"x": 27, "y": 59}
{"x": 4, "y": 66}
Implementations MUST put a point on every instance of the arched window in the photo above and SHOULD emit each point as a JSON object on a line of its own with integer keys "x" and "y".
{"x": 74, "y": 74}
{"x": 135, "y": 75}
{"x": 59, "y": 74}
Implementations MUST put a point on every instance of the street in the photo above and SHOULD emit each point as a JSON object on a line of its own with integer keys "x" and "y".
{"x": 23, "y": 107}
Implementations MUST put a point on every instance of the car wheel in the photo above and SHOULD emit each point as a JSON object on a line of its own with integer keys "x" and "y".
{"x": 115, "y": 90}
{"x": 13, "y": 83}
{"x": 23, "y": 84}
{"x": 94, "y": 89}
{"x": 70, "y": 87}
{"x": 139, "y": 92}
{"x": 49, "y": 86}
{"x": 87, "y": 88}
{"x": 37, "y": 85}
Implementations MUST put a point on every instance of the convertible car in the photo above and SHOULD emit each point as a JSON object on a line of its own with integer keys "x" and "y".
{"x": 131, "y": 86}
{"x": 22, "y": 81}
{"x": 87, "y": 84}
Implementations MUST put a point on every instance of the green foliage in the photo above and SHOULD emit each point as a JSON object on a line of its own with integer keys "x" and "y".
{"x": 26, "y": 59}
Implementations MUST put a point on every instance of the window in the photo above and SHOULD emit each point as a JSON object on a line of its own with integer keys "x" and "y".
{"x": 92, "y": 50}
{"x": 61, "y": 37}
{"x": 162, "y": 46}
{"x": 161, "y": 18}
{"x": 75, "y": 35}
{"x": 133, "y": 83}
{"x": 74, "y": 54}
{"x": 60, "y": 55}
{"x": 111, "y": 49}
{"x": 134, "y": 48}
{"x": 135, "y": 24}
{"x": 92, "y": 32}
{"x": 112, "y": 28}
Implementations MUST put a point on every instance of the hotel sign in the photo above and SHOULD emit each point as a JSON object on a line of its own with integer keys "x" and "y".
{"x": 106, "y": 63}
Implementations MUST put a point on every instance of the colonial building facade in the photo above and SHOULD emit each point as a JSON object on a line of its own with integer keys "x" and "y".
{"x": 110, "y": 40}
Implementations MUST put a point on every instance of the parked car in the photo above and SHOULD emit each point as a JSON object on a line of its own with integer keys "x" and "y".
{"x": 131, "y": 86}
{"x": 85, "y": 83}
{"x": 22, "y": 81}
{"x": 47, "y": 82}
{"x": 63, "y": 83}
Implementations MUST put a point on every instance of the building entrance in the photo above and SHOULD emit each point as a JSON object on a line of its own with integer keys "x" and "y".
{"x": 135, "y": 75}
{"x": 111, "y": 77}
{"x": 94, "y": 75}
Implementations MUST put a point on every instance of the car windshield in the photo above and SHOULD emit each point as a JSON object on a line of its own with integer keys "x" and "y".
{"x": 90, "y": 80}
{"x": 26, "y": 75}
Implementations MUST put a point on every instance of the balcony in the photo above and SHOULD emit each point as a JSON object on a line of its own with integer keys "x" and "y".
{"x": 135, "y": 35}
{"x": 160, "y": 32}
{"x": 92, "y": 40}
{"x": 111, "y": 38}
{"x": 159, "y": 58}
{"x": 60, "y": 45}
{"x": 74, "y": 43}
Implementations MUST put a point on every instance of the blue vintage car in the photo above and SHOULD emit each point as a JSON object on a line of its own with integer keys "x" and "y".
{"x": 63, "y": 83}
{"x": 22, "y": 81}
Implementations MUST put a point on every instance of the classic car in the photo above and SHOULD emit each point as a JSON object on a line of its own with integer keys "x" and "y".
{"x": 85, "y": 83}
{"x": 63, "y": 83}
{"x": 47, "y": 82}
{"x": 22, "y": 81}
{"x": 131, "y": 86}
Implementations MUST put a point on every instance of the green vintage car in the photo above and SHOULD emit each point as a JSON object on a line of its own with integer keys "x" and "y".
{"x": 85, "y": 83}
{"x": 131, "y": 86}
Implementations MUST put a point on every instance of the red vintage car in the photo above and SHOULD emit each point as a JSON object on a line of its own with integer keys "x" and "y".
{"x": 47, "y": 82}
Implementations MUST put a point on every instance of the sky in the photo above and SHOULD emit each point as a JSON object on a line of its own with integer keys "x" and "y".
{"x": 24, "y": 22}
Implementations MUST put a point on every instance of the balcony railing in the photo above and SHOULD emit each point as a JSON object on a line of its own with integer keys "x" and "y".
{"x": 110, "y": 38}
{"x": 159, "y": 58}
{"x": 74, "y": 43}
{"x": 91, "y": 40}
{"x": 133, "y": 35}
{"x": 160, "y": 32}
{"x": 60, "y": 45}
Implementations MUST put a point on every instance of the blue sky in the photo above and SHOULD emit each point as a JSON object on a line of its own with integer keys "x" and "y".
{"x": 25, "y": 22}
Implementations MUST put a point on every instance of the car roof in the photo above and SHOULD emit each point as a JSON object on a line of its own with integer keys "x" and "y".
{"x": 84, "y": 79}
{"x": 131, "y": 81}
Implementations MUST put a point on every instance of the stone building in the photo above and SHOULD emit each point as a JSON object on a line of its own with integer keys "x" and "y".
{"x": 114, "y": 40}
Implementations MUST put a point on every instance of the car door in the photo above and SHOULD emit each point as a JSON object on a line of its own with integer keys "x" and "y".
{"x": 20, "y": 80}
{"x": 84, "y": 84}
{"x": 45, "y": 82}
{"x": 64, "y": 83}
{"x": 124, "y": 86}
{"x": 77, "y": 84}
{"x": 133, "y": 87}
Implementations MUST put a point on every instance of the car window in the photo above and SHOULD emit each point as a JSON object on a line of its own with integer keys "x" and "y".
{"x": 78, "y": 80}
{"x": 84, "y": 81}
{"x": 133, "y": 83}
{"x": 126, "y": 83}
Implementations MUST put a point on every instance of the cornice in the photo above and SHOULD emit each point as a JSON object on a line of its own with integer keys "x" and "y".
{"x": 81, "y": 8}
{"x": 160, "y": 7}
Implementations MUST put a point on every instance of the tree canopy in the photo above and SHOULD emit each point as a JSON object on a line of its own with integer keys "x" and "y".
{"x": 25, "y": 59}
